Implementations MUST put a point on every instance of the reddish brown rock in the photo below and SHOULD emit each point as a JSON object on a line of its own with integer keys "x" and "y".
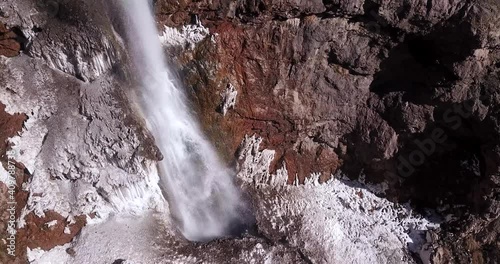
{"x": 37, "y": 234}
{"x": 356, "y": 85}
{"x": 10, "y": 125}
{"x": 9, "y": 45}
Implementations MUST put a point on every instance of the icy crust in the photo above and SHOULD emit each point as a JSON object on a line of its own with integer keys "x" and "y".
{"x": 132, "y": 238}
{"x": 81, "y": 157}
{"x": 333, "y": 222}
{"x": 254, "y": 167}
{"x": 86, "y": 52}
{"x": 84, "y": 61}
{"x": 151, "y": 238}
{"x": 56, "y": 255}
{"x": 228, "y": 98}
{"x": 185, "y": 37}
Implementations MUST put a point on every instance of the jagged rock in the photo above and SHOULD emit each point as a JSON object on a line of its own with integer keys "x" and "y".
{"x": 365, "y": 87}
{"x": 369, "y": 81}
{"x": 9, "y": 44}
{"x": 75, "y": 143}
{"x": 75, "y": 37}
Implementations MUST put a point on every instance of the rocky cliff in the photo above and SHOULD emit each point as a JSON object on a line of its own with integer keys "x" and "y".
{"x": 402, "y": 92}
{"x": 399, "y": 94}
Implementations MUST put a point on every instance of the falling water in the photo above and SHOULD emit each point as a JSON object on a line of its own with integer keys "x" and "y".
{"x": 204, "y": 201}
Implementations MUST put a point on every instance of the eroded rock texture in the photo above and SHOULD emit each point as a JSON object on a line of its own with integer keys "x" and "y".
{"x": 74, "y": 137}
{"x": 404, "y": 92}
{"x": 9, "y": 44}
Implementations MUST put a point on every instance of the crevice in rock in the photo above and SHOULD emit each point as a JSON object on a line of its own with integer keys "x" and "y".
{"x": 404, "y": 10}
{"x": 283, "y": 242}
{"x": 20, "y": 37}
{"x": 414, "y": 67}
{"x": 272, "y": 121}
{"x": 428, "y": 7}
{"x": 334, "y": 60}
{"x": 371, "y": 8}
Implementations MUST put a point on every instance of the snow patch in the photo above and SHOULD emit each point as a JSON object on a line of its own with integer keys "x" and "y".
{"x": 186, "y": 37}
{"x": 335, "y": 221}
{"x": 228, "y": 98}
{"x": 254, "y": 166}
{"x": 132, "y": 238}
{"x": 56, "y": 255}
{"x": 5, "y": 176}
{"x": 51, "y": 223}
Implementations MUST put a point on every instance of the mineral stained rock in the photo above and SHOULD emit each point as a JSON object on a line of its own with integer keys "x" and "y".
{"x": 403, "y": 94}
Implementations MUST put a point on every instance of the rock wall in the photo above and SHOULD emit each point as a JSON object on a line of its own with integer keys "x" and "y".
{"x": 80, "y": 151}
{"x": 404, "y": 93}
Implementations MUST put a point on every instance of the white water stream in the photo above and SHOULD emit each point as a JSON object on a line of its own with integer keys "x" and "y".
{"x": 203, "y": 198}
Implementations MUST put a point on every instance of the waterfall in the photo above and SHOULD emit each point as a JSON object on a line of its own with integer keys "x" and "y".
{"x": 204, "y": 201}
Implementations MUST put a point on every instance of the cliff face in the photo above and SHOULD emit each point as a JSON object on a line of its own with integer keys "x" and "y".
{"x": 67, "y": 124}
{"x": 404, "y": 93}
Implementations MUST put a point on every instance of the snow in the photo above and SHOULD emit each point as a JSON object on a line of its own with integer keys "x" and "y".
{"x": 132, "y": 238}
{"x": 334, "y": 221}
{"x": 356, "y": 223}
{"x": 81, "y": 165}
{"x": 228, "y": 98}
{"x": 5, "y": 177}
{"x": 57, "y": 255}
{"x": 51, "y": 223}
{"x": 186, "y": 37}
